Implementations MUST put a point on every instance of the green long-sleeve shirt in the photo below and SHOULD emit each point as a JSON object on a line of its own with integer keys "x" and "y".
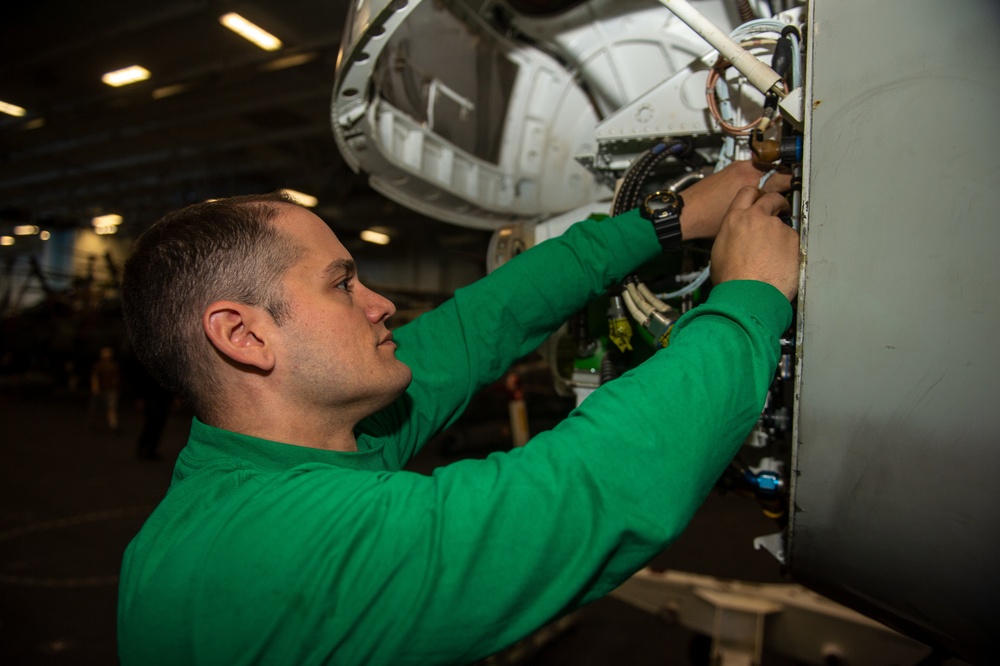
{"x": 263, "y": 552}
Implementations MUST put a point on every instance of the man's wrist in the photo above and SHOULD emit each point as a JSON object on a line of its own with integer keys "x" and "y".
{"x": 663, "y": 210}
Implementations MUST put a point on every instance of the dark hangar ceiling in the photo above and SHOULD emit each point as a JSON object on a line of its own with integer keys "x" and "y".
{"x": 218, "y": 116}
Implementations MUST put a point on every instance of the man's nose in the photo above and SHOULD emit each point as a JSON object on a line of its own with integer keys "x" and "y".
{"x": 378, "y": 308}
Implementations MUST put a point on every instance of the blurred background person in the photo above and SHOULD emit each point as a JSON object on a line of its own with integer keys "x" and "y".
{"x": 105, "y": 384}
{"x": 154, "y": 403}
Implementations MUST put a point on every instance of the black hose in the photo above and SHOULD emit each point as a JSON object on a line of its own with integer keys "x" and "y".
{"x": 782, "y": 58}
{"x": 609, "y": 369}
{"x": 635, "y": 176}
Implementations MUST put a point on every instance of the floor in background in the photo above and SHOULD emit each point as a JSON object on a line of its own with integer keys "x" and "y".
{"x": 71, "y": 498}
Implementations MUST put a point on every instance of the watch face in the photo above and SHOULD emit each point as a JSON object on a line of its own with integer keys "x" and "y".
{"x": 662, "y": 203}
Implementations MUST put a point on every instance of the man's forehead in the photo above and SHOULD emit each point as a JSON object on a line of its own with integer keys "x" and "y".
{"x": 293, "y": 216}
{"x": 320, "y": 251}
{"x": 302, "y": 224}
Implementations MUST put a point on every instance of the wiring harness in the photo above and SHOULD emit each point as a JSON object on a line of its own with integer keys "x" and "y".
{"x": 648, "y": 310}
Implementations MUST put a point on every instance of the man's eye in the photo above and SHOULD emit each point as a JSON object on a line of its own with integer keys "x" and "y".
{"x": 344, "y": 284}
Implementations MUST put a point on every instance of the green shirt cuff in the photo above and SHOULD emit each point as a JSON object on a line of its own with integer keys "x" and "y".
{"x": 762, "y": 301}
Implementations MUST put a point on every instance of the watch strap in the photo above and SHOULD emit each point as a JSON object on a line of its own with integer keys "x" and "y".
{"x": 668, "y": 231}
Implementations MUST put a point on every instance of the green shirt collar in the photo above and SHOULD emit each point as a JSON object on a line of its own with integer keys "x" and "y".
{"x": 208, "y": 444}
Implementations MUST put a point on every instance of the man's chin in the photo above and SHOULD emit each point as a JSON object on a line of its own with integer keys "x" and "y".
{"x": 405, "y": 378}
{"x": 408, "y": 378}
{"x": 401, "y": 384}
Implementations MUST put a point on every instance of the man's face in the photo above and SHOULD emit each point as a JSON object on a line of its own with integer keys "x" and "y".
{"x": 334, "y": 348}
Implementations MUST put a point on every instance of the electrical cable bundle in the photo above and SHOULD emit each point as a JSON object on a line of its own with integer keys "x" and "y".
{"x": 628, "y": 195}
{"x": 648, "y": 311}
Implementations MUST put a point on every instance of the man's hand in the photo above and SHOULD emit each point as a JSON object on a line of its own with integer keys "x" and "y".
{"x": 707, "y": 200}
{"x": 753, "y": 244}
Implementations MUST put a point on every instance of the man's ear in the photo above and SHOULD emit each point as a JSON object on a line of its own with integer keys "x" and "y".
{"x": 240, "y": 332}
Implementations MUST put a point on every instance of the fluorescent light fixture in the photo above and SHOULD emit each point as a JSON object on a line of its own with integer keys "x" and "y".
{"x": 170, "y": 91}
{"x": 250, "y": 32}
{"x": 123, "y": 77}
{"x": 45, "y": 235}
{"x": 25, "y": 230}
{"x": 11, "y": 109}
{"x": 6, "y": 240}
{"x": 289, "y": 61}
{"x": 107, "y": 220}
{"x": 307, "y": 200}
{"x": 106, "y": 224}
{"x": 376, "y": 237}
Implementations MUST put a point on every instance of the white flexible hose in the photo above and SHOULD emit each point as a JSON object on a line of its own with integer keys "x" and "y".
{"x": 638, "y": 300}
{"x": 761, "y": 77}
{"x": 651, "y": 298}
{"x": 633, "y": 309}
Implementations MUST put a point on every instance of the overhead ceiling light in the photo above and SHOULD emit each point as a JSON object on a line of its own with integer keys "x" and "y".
{"x": 45, "y": 235}
{"x": 376, "y": 237}
{"x": 106, "y": 224}
{"x": 307, "y": 200}
{"x": 6, "y": 240}
{"x": 125, "y": 76}
{"x": 107, "y": 220}
{"x": 250, "y": 32}
{"x": 289, "y": 61}
{"x": 25, "y": 230}
{"x": 170, "y": 91}
{"x": 12, "y": 109}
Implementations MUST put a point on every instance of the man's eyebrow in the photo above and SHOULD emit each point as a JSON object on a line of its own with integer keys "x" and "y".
{"x": 338, "y": 267}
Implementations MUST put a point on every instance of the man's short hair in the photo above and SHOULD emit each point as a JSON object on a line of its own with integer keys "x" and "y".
{"x": 226, "y": 249}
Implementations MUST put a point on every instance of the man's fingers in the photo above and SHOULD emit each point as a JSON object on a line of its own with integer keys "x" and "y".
{"x": 753, "y": 244}
{"x": 773, "y": 203}
{"x": 780, "y": 181}
{"x": 745, "y": 198}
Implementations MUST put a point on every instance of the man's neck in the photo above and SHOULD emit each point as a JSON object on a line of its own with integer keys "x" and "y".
{"x": 289, "y": 425}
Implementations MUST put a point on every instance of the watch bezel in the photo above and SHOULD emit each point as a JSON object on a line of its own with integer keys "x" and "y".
{"x": 672, "y": 207}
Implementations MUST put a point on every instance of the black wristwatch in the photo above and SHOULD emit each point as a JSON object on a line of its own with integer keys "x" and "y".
{"x": 663, "y": 209}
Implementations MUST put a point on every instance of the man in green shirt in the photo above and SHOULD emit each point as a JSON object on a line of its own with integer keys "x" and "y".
{"x": 290, "y": 533}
